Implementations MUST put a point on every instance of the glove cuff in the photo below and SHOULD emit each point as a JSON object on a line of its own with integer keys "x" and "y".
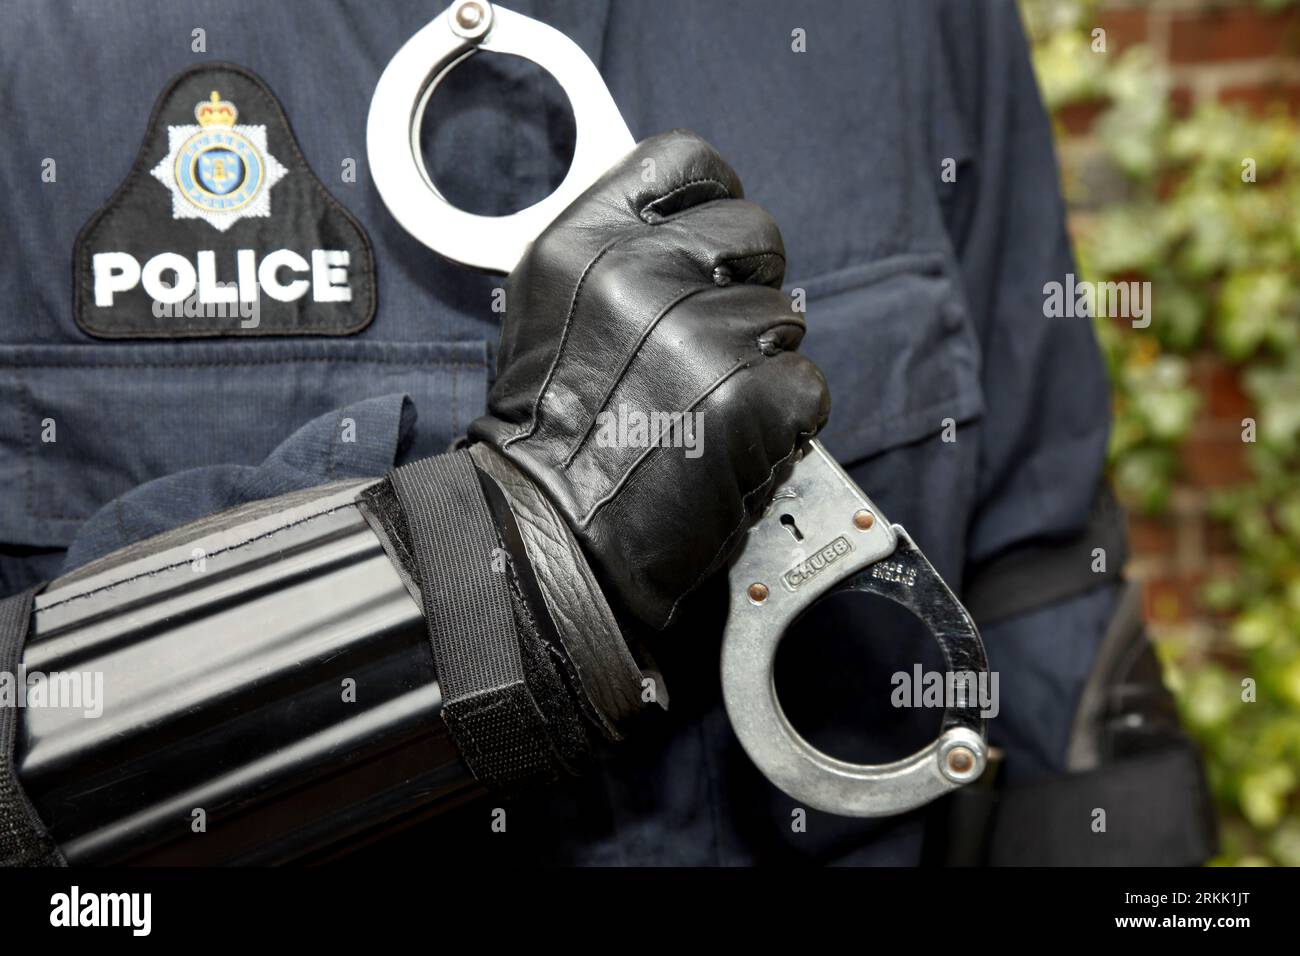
{"x": 565, "y": 598}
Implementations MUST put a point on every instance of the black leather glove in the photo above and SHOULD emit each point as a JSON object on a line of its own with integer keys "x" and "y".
{"x": 656, "y": 292}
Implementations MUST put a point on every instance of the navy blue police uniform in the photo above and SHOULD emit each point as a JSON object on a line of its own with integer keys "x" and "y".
{"x": 902, "y": 148}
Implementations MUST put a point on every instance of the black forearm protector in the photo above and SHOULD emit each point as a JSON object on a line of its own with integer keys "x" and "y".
{"x": 299, "y": 673}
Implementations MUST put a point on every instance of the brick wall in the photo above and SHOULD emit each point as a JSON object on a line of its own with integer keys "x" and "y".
{"x": 1215, "y": 49}
{"x": 1232, "y": 52}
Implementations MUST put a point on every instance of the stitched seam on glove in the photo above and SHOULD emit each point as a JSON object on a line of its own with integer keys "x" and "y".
{"x": 564, "y": 336}
{"x": 646, "y": 212}
{"x": 681, "y": 296}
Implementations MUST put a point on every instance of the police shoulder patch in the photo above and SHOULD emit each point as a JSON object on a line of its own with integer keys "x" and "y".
{"x": 221, "y": 228}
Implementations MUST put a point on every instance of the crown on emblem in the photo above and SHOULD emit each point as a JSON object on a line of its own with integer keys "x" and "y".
{"x": 215, "y": 111}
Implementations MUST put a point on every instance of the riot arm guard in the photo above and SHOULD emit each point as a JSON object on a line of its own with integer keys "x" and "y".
{"x": 276, "y": 680}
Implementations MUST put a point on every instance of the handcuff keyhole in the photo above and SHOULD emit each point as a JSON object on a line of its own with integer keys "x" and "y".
{"x": 788, "y": 521}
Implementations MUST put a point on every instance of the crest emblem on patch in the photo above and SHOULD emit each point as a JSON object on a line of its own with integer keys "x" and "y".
{"x": 218, "y": 171}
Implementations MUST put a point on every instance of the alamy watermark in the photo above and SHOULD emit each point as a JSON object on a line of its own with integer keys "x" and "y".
{"x": 247, "y": 311}
{"x": 633, "y": 428}
{"x": 76, "y": 907}
{"x": 948, "y": 689}
{"x": 58, "y": 690}
{"x": 1082, "y": 299}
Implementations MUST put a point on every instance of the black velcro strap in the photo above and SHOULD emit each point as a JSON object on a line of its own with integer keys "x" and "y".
{"x": 487, "y": 705}
{"x": 23, "y": 837}
{"x": 1157, "y": 812}
{"x": 1037, "y": 575}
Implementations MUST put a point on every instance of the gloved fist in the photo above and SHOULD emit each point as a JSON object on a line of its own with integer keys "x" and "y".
{"x": 647, "y": 378}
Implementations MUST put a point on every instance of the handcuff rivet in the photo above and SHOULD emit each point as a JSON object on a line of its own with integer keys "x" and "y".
{"x": 469, "y": 15}
{"x": 863, "y": 520}
{"x": 758, "y": 592}
{"x": 961, "y": 761}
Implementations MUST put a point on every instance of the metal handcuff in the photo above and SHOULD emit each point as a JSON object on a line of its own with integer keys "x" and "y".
{"x": 844, "y": 543}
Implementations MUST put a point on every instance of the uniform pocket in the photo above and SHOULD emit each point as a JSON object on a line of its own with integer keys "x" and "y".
{"x": 84, "y": 424}
{"x": 898, "y": 350}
